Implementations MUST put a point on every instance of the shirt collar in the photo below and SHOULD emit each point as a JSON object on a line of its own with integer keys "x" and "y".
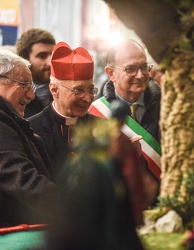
{"x": 64, "y": 119}
{"x": 140, "y": 100}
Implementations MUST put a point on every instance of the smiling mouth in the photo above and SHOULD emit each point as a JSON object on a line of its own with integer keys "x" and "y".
{"x": 138, "y": 83}
{"x": 82, "y": 107}
{"x": 47, "y": 70}
{"x": 24, "y": 103}
{"x": 85, "y": 107}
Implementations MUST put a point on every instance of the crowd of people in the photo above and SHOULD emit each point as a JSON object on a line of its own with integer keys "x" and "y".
{"x": 47, "y": 91}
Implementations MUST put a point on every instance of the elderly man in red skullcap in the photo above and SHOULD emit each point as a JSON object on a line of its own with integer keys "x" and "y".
{"x": 73, "y": 91}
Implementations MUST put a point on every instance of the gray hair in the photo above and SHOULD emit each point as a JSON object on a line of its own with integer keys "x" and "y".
{"x": 58, "y": 81}
{"x": 9, "y": 61}
{"x": 54, "y": 80}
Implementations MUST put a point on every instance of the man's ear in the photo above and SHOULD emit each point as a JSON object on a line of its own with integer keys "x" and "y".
{"x": 110, "y": 72}
{"x": 54, "y": 89}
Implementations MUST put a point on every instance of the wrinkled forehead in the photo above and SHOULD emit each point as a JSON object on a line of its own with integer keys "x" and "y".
{"x": 80, "y": 83}
{"x": 22, "y": 71}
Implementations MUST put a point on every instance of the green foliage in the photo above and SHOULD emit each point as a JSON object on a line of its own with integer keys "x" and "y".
{"x": 163, "y": 241}
{"x": 154, "y": 213}
{"x": 185, "y": 10}
{"x": 185, "y": 43}
{"x": 181, "y": 5}
{"x": 182, "y": 202}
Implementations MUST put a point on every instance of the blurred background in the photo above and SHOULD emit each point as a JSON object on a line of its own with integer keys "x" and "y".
{"x": 88, "y": 23}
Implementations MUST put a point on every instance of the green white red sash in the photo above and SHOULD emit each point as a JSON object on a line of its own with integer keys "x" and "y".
{"x": 150, "y": 147}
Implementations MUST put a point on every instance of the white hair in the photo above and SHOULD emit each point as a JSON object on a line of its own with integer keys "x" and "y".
{"x": 9, "y": 61}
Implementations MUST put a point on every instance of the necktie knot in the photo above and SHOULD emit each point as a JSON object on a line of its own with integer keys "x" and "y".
{"x": 133, "y": 109}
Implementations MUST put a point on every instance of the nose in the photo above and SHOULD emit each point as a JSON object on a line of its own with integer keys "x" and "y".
{"x": 48, "y": 61}
{"x": 30, "y": 94}
{"x": 139, "y": 73}
{"x": 88, "y": 97}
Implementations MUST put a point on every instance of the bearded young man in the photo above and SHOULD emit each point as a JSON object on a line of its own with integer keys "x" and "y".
{"x": 36, "y": 45}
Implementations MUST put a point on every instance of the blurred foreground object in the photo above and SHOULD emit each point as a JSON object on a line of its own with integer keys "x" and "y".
{"x": 102, "y": 191}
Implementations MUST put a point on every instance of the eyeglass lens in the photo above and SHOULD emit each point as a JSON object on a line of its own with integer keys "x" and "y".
{"x": 132, "y": 70}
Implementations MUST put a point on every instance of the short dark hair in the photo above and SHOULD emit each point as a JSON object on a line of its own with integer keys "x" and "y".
{"x": 31, "y": 37}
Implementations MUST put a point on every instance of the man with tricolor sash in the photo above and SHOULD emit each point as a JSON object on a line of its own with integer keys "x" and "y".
{"x": 129, "y": 81}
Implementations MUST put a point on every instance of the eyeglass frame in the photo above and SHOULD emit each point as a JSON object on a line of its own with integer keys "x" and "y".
{"x": 149, "y": 66}
{"x": 73, "y": 90}
{"x": 22, "y": 84}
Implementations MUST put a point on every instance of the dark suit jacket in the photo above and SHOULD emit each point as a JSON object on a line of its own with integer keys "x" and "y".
{"x": 49, "y": 125}
{"x": 34, "y": 107}
{"x": 152, "y": 98}
{"x": 27, "y": 189}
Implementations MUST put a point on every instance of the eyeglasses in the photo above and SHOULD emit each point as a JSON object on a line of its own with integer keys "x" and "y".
{"x": 81, "y": 91}
{"x": 132, "y": 69}
{"x": 25, "y": 85}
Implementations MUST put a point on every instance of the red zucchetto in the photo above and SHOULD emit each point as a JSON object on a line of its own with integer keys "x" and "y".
{"x": 71, "y": 64}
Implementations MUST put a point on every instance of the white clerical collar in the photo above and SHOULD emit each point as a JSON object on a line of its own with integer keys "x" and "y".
{"x": 68, "y": 120}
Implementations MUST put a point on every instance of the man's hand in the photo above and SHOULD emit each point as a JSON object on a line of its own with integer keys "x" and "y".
{"x": 136, "y": 142}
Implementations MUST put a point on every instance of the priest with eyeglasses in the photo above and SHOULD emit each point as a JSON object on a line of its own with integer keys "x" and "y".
{"x": 73, "y": 90}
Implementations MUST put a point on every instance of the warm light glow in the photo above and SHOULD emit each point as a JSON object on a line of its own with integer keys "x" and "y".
{"x": 115, "y": 37}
